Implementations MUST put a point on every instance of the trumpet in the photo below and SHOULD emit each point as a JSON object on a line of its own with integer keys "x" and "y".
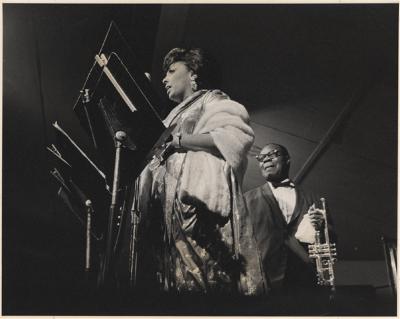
{"x": 324, "y": 253}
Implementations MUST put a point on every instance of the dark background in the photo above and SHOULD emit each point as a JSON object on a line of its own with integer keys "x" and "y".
{"x": 295, "y": 67}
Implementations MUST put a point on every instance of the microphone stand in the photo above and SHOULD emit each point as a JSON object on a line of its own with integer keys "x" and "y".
{"x": 89, "y": 211}
{"x": 119, "y": 138}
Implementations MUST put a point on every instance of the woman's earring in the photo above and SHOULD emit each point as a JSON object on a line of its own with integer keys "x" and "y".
{"x": 193, "y": 85}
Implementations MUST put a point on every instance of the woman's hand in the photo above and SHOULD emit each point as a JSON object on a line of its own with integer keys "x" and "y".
{"x": 176, "y": 141}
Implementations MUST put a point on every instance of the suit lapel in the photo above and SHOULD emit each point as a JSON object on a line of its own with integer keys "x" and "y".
{"x": 273, "y": 203}
{"x": 298, "y": 208}
{"x": 271, "y": 200}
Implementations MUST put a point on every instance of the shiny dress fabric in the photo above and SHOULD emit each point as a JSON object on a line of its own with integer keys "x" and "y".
{"x": 202, "y": 207}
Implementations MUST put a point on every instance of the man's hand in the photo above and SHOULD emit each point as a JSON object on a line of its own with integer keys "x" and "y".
{"x": 316, "y": 217}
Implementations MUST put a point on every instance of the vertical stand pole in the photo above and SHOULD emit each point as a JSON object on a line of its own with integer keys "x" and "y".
{"x": 133, "y": 239}
{"x": 119, "y": 137}
{"x": 89, "y": 210}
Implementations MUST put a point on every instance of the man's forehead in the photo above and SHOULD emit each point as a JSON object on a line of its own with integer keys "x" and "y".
{"x": 270, "y": 148}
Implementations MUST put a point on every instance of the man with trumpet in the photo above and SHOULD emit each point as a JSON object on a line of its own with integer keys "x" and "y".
{"x": 285, "y": 220}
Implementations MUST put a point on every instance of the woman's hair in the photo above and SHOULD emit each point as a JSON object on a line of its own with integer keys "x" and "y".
{"x": 199, "y": 62}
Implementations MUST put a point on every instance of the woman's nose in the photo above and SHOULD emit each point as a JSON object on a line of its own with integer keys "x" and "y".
{"x": 164, "y": 80}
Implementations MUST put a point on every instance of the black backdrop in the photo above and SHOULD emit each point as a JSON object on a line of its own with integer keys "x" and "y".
{"x": 293, "y": 66}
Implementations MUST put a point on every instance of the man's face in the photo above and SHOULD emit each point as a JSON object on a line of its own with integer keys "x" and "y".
{"x": 273, "y": 164}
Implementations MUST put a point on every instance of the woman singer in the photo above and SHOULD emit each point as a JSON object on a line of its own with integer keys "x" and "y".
{"x": 208, "y": 244}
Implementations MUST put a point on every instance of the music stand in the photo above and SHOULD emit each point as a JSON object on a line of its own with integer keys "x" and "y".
{"x": 118, "y": 108}
{"x": 82, "y": 187}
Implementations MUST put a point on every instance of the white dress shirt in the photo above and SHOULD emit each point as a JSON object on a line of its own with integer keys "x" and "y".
{"x": 286, "y": 198}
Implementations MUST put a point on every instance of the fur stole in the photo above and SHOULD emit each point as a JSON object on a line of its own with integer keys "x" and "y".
{"x": 205, "y": 178}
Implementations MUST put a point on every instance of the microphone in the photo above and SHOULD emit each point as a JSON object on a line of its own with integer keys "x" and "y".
{"x": 120, "y": 136}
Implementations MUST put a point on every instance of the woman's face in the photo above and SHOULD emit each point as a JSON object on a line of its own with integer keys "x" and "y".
{"x": 177, "y": 81}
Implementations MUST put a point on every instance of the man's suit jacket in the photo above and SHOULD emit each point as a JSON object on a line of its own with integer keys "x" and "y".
{"x": 285, "y": 260}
